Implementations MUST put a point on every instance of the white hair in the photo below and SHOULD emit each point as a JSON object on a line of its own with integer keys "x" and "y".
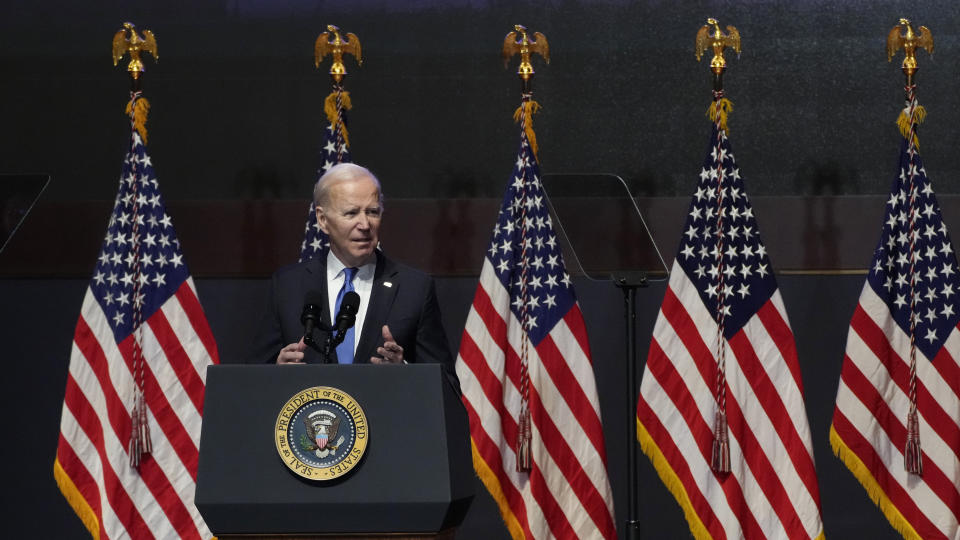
{"x": 342, "y": 172}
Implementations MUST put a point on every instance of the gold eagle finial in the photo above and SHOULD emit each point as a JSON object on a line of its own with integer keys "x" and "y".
{"x": 331, "y": 43}
{"x": 525, "y": 46}
{"x": 909, "y": 42}
{"x": 718, "y": 42}
{"x": 127, "y": 41}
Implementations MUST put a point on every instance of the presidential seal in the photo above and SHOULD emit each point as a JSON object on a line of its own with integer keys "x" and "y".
{"x": 321, "y": 433}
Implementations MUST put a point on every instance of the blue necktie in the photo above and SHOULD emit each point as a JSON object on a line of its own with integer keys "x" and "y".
{"x": 345, "y": 349}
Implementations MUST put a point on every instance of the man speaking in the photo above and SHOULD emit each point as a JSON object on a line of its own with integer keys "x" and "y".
{"x": 398, "y": 316}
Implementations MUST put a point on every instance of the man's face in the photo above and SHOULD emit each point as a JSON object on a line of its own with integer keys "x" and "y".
{"x": 351, "y": 218}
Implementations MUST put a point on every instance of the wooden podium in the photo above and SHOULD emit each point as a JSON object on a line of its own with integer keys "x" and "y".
{"x": 415, "y": 479}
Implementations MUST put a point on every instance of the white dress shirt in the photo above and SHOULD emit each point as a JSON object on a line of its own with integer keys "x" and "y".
{"x": 362, "y": 284}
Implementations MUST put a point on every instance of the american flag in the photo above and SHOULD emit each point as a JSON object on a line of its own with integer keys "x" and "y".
{"x": 722, "y": 342}
{"x": 141, "y": 299}
{"x": 335, "y": 150}
{"x": 907, "y": 314}
{"x": 525, "y": 346}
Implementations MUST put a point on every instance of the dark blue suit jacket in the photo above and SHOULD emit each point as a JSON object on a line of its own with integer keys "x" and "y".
{"x": 402, "y": 298}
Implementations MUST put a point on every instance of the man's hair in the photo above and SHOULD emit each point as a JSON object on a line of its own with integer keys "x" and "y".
{"x": 342, "y": 172}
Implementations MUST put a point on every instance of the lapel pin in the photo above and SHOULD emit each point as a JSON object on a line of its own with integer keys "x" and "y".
{"x": 388, "y": 284}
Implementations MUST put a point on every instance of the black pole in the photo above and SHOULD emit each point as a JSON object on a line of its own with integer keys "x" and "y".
{"x": 629, "y": 283}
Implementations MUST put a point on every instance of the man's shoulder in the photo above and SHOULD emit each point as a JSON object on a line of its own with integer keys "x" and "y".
{"x": 297, "y": 269}
{"x": 404, "y": 272}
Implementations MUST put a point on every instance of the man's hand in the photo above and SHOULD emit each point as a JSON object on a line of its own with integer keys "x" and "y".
{"x": 292, "y": 353}
{"x": 391, "y": 351}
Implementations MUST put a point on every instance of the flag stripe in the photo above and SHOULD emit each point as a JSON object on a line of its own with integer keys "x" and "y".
{"x": 178, "y": 360}
{"x": 897, "y": 369}
{"x": 116, "y": 494}
{"x": 676, "y": 390}
{"x": 153, "y": 478}
{"x": 190, "y": 303}
{"x": 935, "y": 484}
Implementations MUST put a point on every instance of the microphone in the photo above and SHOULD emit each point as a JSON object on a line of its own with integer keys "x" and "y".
{"x": 311, "y": 314}
{"x": 347, "y": 316}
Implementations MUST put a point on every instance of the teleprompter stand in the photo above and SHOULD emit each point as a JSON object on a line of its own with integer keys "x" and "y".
{"x": 415, "y": 480}
{"x": 608, "y": 240}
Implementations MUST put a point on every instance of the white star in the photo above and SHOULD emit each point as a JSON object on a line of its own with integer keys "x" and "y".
{"x": 877, "y": 267}
{"x": 696, "y": 213}
{"x": 946, "y": 249}
{"x": 931, "y": 253}
{"x": 711, "y": 290}
{"x": 927, "y": 190}
{"x": 531, "y": 322}
{"x": 503, "y": 266}
{"x": 537, "y": 263}
{"x": 947, "y": 269}
{"x": 550, "y": 300}
{"x": 745, "y": 271}
{"x": 551, "y": 281}
{"x": 761, "y": 251}
{"x": 159, "y": 279}
{"x": 931, "y": 335}
{"x": 735, "y": 213}
{"x": 704, "y": 175}
{"x": 733, "y": 232}
{"x": 888, "y": 283}
{"x": 566, "y": 280}
{"x": 552, "y": 242}
{"x": 931, "y": 315}
{"x": 506, "y": 246}
{"x": 146, "y": 259}
{"x": 535, "y": 282}
{"x": 928, "y": 211}
{"x": 691, "y": 232}
{"x": 713, "y": 271}
{"x": 533, "y": 302}
{"x": 104, "y": 258}
{"x": 704, "y": 252}
{"x": 762, "y": 270}
{"x": 931, "y": 273}
{"x": 931, "y": 294}
{"x": 166, "y": 221}
{"x": 893, "y": 201}
{"x": 175, "y": 260}
{"x": 687, "y": 252}
{"x": 947, "y": 310}
{"x": 891, "y": 221}
{"x": 517, "y": 302}
{"x": 725, "y": 310}
{"x": 731, "y": 251}
{"x": 164, "y": 240}
{"x": 729, "y": 271}
{"x": 118, "y": 318}
{"x": 552, "y": 261}
{"x": 746, "y": 252}
{"x": 143, "y": 279}
{"x": 947, "y": 290}
{"x": 744, "y": 290}
{"x": 700, "y": 271}
{"x": 123, "y": 299}
{"x": 900, "y": 301}
{"x": 98, "y": 277}
{"x": 929, "y": 232}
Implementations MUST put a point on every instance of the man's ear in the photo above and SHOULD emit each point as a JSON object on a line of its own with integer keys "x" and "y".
{"x": 322, "y": 219}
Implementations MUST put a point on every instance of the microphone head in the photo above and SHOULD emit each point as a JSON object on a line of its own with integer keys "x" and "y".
{"x": 350, "y": 303}
{"x": 311, "y": 306}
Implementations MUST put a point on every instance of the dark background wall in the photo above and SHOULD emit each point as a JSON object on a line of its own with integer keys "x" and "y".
{"x": 236, "y": 124}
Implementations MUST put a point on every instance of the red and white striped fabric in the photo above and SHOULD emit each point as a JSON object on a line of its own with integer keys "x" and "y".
{"x": 524, "y": 313}
{"x": 909, "y": 290}
{"x": 141, "y": 326}
{"x": 722, "y": 342}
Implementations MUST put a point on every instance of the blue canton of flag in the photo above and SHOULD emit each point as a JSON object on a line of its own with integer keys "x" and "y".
{"x": 721, "y": 251}
{"x": 549, "y": 288}
{"x": 928, "y": 278}
{"x": 334, "y": 151}
{"x": 140, "y": 263}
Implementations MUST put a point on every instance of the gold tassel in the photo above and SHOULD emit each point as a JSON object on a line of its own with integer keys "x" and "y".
{"x": 524, "y": 462}
{"x": 903, "y": 122}
{"x": 720, "y": 108}
{"x": 528, "y": 109}
{"x": 330, "y": 108}
{"x": 139, "y": 108}
{"x": 912, "y": 456}
{"x": 720, "y": 459}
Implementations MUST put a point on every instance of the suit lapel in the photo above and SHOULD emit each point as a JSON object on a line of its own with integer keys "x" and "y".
{"x": 381, "y": 300}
